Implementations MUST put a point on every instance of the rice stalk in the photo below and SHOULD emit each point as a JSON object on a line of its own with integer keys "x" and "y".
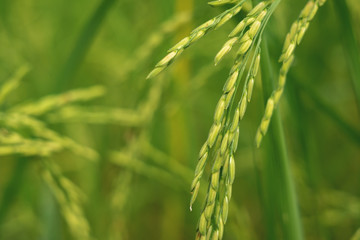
{"x": 279, "y": 169}
{"x": 224, "y": 133}
{"x": 293, "y": 38}
{"x": 223, "y": 108}
{"x": 307, "y": 143}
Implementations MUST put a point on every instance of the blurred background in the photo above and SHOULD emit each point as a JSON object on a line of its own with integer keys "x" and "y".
{"x": 90, "y": 149}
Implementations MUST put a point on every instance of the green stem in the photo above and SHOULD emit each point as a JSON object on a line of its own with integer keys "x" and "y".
{"x": 301, "y": 121}
{"x": 350, "y": 45}
{"x": 288, "y": 199}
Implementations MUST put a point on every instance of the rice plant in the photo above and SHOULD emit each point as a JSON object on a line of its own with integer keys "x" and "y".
{"x": 224, "y": 133}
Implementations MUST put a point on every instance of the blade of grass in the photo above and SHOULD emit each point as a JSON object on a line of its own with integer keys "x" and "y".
{"x": 301, "y": 122}
{"x": 349, "y": 130}
{"x": 350, "y": 45}
{"x": 271, "y": 195}
{"x": 82, "y": 45}
{"x": 283, "y": 172}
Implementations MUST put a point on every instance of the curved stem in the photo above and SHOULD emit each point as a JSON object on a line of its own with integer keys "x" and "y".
{"x": 286, "y": 193}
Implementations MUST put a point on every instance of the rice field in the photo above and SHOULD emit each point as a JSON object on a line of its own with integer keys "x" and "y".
{"x": 180, "y": 119}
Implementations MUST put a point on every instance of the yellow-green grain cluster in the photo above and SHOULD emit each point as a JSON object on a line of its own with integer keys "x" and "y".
{"x": 222, "y": 140}
{"x": 293, "y": 38}
{"x": 252, "y": 24}
{"x": 214, "y": 215}
{"x": 194, "y": 36}
{"x": 223, "y": 136}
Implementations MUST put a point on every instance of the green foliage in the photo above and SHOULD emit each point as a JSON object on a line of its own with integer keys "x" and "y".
{"x": 92, "y": 149}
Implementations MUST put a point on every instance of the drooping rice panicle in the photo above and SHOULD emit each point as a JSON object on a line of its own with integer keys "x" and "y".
{"x": 293, "y": 38}
{"x": 226, "y": 132}
{"x": 221, "y": 110}
{"x": 53, "y": 102}
{"x": 194, "y": 36}
{"x": 223, "y": 171}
